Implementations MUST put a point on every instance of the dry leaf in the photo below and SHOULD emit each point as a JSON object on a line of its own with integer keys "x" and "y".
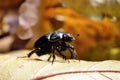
{"x": 13, "y": 68}
{"x": 6, "y": 43}
{"x": 28, "y": 18}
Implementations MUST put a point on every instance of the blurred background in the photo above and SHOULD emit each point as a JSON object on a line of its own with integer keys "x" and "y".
{"x": 97, "y": 22}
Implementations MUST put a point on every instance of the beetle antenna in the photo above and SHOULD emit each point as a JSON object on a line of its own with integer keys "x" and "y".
{"x": 22, "y": 57}
{"x": 77, "y": 35}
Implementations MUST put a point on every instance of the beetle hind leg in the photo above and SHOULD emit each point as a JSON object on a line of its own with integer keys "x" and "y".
{"x": 33, "y": 51}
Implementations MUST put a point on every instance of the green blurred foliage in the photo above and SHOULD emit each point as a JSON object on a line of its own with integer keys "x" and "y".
{"x": 95, "y": 7}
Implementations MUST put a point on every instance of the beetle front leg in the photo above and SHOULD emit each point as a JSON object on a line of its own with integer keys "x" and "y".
{"x": 64, "y": 57}
{"x": 72, "y": 51}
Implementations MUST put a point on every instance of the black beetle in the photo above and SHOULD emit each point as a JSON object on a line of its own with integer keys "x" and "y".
{"x": 50, "y": 42}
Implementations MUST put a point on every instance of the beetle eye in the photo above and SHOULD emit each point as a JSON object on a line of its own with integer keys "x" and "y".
{"x": 65, "y": 36}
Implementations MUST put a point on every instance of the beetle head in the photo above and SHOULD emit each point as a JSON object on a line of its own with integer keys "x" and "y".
{"x": 67, "y": 37}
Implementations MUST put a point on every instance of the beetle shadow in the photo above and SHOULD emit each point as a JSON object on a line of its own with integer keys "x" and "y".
{"x": 38, "y": 59}
{"x": 26, "y": 58}
{"x": 55, "y": 61}
{"x": 60, "y": 61}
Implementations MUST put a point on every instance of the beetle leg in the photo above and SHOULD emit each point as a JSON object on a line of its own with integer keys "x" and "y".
{"x": 72, "y": 51}
{"x": 49, "y": 57}
{"x": 64, "y": 57}
{"x": 52, "y": 55}
{"x": 53, "y": 58}
{"x": 33, "y": 51}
